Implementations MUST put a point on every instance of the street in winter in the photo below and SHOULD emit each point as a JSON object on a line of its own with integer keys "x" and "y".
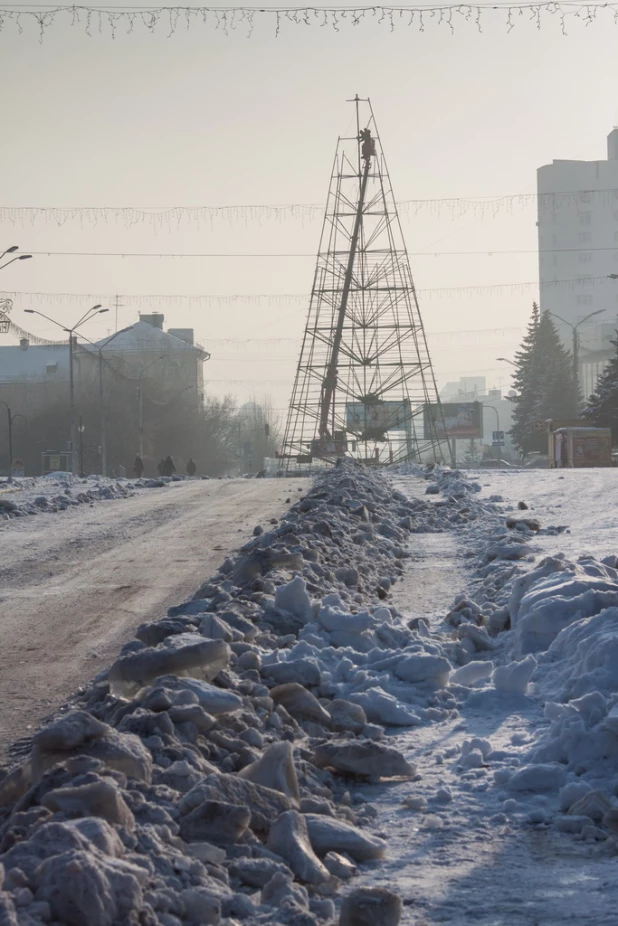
{"x": 308, "y": 465}
{"x": 285, "y": 738}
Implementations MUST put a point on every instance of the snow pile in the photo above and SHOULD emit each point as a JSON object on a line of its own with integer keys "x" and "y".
{"x": 202, "y": 779}
{"x": 60, "y": 491}
{"x": 554, "y": 628}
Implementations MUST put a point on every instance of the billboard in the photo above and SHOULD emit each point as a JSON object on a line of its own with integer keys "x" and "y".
{"x": 327, "y": 446}
{"x": 460, "y": 420}
{"x": 376, "y": 418}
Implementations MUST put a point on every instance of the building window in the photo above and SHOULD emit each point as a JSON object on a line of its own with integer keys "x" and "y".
{"x": 554, "y": 240}
{"x": 554, "y": 259}
{"x": 584, "y": 237}
{"x": 584, "y": 257}
{"x": 585, "y": 299}
{"x": 585, "y": 218}
{"x": 51, "y": 368}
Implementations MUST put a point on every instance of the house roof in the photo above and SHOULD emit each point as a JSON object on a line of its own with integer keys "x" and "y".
{"x": 17, "y": 364}
{"x": 143, "y": 336}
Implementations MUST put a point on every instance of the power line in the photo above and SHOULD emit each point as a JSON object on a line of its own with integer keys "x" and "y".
{"x": 286, "y": 382}
{"x": 301, "y": 298}
{"x": 224, "y": 255}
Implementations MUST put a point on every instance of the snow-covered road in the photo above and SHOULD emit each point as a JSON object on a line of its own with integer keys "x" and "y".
{"x": 74, "y": 585}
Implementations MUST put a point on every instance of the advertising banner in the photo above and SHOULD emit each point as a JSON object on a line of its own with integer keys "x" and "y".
{"x": 459, "y": 420}
{"x": 378, "y": 417}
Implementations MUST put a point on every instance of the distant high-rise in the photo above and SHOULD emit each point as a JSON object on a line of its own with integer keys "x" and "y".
{"x": 578, "y": 251}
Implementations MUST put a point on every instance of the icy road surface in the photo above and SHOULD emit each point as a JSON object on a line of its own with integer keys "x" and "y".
{"x": 74, "y": 585}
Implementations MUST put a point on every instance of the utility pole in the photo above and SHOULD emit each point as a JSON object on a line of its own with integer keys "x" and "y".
{"x": 81, "y": 447}
{"x": 574, "y": 329}
{"x": 494, "y": 409}
{"x": 72, "y": 405}
{"x": 140, "y": 400}
{"x": 117, "y": 305}
{"x": 103, "y": 435}
{"x": 86, "y": 317}
{"x": 10, "y": 423}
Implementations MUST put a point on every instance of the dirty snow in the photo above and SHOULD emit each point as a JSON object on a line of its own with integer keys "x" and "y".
{"x": 424, "y": 670}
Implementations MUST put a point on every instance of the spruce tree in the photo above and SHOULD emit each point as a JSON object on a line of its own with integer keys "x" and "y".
{"x": 544, "y": 382}
{"x": 526, "y": 383}
{"x": 472, "y": 453}
{"x": 602, "y": 406}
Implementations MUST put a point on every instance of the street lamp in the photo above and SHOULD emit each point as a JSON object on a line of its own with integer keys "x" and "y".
{"x": 506, "y": 360}
{"x": 81, "y": 428}
{"x": 12, "y": 250}
{"x": 103, "y": 437}
{"x": 10, "y": 419}
{"x": 86, "y": 317}
{"x": 576, "y": 346}
{"x": 140, "y": 396}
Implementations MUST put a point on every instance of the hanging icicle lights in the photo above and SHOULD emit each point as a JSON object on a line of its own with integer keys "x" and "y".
{"x": 152, "y": 300}
{"x": 172, "y": 217}
{"x": 114, "y": 20}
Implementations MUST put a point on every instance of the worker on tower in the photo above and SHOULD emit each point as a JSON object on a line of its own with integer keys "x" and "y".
{"x": 368, "y": 145}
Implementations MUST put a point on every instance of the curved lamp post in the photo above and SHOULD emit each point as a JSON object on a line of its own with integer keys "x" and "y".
{"x": 10, "y": 419}
{"x": 86, "y": 317}
{"x": 12, "y": 250}
{"x": 576, "y": 347}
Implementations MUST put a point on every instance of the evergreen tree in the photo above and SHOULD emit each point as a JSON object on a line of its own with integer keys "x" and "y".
{"x": 602, "y": 406}
{"x": 472, "y": 453}
{"x": 544, "y": 382}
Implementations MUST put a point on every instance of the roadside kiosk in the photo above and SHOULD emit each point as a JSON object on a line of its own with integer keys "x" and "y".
{"x": 578, "y": 445}
{"x": 55, "y": 461}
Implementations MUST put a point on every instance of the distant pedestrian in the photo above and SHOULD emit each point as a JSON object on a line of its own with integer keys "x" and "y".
{"x": 161, "y": 467}
{"x": 191, "y": 467}
{"x": 138, "y": 467}
{"x": 170, "y": 469}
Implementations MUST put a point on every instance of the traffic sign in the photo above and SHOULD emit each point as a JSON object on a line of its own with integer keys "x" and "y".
{"x": 497, "y": 437}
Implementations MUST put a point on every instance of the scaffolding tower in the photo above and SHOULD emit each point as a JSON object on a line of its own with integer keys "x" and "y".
{"x": 364, "y": 386}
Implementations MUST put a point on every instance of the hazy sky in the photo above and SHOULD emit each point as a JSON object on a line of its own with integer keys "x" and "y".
{"x": 204, "y": 119}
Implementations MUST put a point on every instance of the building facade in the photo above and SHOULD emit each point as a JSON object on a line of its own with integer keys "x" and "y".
{"x": 578, "y": 254}
{"x": 143, "y": 351}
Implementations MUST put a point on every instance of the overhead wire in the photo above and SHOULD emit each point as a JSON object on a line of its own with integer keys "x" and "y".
{"x": 264, "y": 255}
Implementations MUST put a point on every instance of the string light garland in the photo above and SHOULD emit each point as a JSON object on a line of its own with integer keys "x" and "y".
{"x": 113, "y": 20}
{"x": 172, "y": 217}
{"x": 228, "y": 299}
{"x": 8, "y": 326}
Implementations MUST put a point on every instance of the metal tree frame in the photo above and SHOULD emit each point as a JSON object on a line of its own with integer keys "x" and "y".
{"x": 364, "y": 379}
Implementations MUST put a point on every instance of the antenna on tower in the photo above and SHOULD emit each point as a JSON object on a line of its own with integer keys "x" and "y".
{"x": 364, "y": 385}
{"x": 117, "y": 305}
